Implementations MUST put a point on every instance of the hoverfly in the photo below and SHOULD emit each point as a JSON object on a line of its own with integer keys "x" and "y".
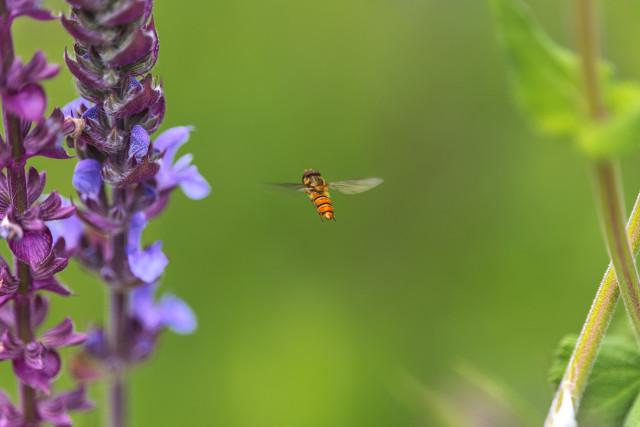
{"x": 314, "y": 185}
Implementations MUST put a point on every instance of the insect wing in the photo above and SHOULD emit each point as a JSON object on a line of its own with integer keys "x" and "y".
{"x": 355, "y": 186}
{"x": 289, "y": 186}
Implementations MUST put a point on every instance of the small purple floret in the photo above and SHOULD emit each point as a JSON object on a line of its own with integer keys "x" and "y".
{"x": 139, "y": 143}
{"x": 87, "y": 178}
{"x": 70, "y": 229}
{"x": 37, "y": 363}
{"x": 182, "y": 173}
{"x": 149, "y": 263}
{"x": 73, "y": 108}
{"x": 170, "y": 312}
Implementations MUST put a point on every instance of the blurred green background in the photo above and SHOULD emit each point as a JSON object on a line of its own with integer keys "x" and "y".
{"x": 482, "y": 246}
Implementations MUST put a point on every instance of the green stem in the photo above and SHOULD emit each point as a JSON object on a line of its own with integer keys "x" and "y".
{"x": 118, "y": 385}
{"x": 593, "y": 331}
{"x": 621, "y": 277}
{"x": 117, "y": 328}
{"x": 612, "y": 212}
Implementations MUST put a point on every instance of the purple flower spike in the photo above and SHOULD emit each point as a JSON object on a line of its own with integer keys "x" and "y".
{"x": 139, "y": 143}
{"x": 130, "y": 180}
{"x": 87, "y": 178}
{"x": 24, "y": 215}
{"x": 182, "y": 173}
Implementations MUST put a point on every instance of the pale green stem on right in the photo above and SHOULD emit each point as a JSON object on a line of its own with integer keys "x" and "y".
{"x": 609, "y": 194}
{"x": 620, "y": 251}
{"x": 622, "y": 275}
{"x": 593, "y": 331}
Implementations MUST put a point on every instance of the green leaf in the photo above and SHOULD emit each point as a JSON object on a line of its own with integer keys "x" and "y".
{"x": 547, "y": 82}
{"x": 561, "y": 359}
{"x": 546, "y": 77}
{"x": 621, "y": 133}
{"x": 633, "y": 417}
{"x": 613, "y": 385}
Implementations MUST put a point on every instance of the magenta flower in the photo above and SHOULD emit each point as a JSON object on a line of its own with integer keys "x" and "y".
{"x": 24, "y": 218}
{"x": 29, "y": 238}
{"x": 37, "y": 363}
{"x": 23, "y": 94}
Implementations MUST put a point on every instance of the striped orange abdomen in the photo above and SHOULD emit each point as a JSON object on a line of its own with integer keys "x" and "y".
{"x": 323, "y": 204}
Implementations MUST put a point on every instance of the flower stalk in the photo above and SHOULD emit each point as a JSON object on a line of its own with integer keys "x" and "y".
{"x": 123, "y": 179}
{"x": 26, "y": 217}
{"x": 621, "y": 277}
{"x": 17, "y": 186}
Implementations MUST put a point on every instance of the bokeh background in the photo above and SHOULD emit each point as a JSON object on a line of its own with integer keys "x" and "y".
{"x": 482, "y": 247}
